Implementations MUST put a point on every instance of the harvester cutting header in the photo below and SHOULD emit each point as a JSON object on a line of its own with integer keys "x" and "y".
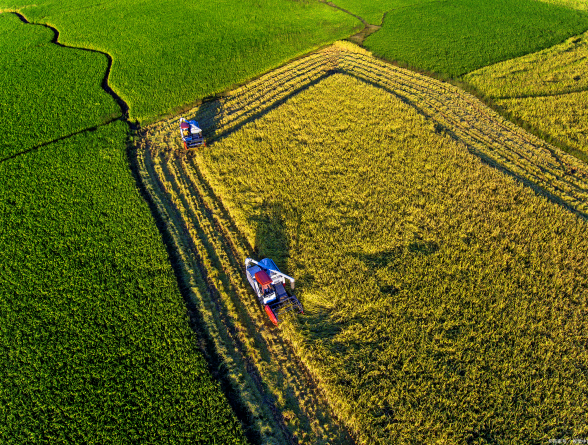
{"x": 268, "y": 283}
{"x": 191, "y": 134}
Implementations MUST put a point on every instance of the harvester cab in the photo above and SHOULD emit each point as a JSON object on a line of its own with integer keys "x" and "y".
{"x": 268, "y": 284}
{"x": 191, "y": 134}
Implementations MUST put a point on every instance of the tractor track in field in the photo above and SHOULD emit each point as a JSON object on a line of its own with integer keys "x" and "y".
{"x": 261, "y": 365}
{"x": 211, "y": 253}
{"x": 549, "y": 171}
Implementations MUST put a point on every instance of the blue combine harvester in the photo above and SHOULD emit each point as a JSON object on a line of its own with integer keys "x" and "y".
{"x": 268, "y": 284}
{"x": 191, "y": 134}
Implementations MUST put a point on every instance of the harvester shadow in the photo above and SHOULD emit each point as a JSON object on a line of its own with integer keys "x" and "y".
{"x": 394, "y": 258}
{"x": 206, "y": 115}
{"x": 271, "y": 240}
{"x": 444, "y": 130}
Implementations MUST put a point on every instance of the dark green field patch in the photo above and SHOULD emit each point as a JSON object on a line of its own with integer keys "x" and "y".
{"x": 94, "y": 338}
{"x": 459, "y": 36}
{"x": 170, "y": 53}
{"x": 47, "y": 91}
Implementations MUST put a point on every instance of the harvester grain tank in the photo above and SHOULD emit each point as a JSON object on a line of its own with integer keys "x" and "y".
{"x": 268, "y": 283}
{"x": 191, "y": 134}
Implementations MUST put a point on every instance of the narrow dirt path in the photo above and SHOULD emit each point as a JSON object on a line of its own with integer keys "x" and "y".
{"x": 367, "y": 30}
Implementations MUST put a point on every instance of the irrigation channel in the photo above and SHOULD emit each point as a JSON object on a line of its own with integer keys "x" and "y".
{"x": 124, "y": 108}
{"x": 285, "y": 400}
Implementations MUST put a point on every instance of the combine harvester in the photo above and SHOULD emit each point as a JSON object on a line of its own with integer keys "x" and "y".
{"x": 268, "y": 284}
{"x": 191, "y": 134}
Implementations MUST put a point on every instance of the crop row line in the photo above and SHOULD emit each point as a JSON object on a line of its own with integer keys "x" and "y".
{"x": 198, "y": 279}
{"x": 230, "y": 259}
{"x": 489, "y": 133}
{"x": 202, "y": 224}
{"x": 548, "y": 170}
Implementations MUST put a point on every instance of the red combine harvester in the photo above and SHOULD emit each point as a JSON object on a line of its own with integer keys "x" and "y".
{"x": 268, "y": 284}
{"x": 191, "y": 134}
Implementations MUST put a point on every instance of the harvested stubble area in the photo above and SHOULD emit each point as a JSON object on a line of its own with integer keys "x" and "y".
{"x": 444, "y": 300}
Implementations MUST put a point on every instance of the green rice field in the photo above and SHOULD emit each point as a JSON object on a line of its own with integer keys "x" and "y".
{"x": 95, "y": 339}
{"x": 438, "y": 248}
{"x": 174, "y": 53}
{"x": 456, "y": 37}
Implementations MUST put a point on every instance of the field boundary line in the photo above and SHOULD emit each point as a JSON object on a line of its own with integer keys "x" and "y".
{"x": 105, "y": 85}
{"x": 539, "y": 95}
{"x": 59, "y": 139}
{"x": 124, "y": 108}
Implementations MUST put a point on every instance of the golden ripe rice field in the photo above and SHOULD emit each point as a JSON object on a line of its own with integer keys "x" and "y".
{"x": 440, "y": 253}
{"x": 547, "y": 89}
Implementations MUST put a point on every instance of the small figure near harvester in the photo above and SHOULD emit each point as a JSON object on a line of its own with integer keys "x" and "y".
{"x": 268, "y": 283}
{"x": 191, "y": 134}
